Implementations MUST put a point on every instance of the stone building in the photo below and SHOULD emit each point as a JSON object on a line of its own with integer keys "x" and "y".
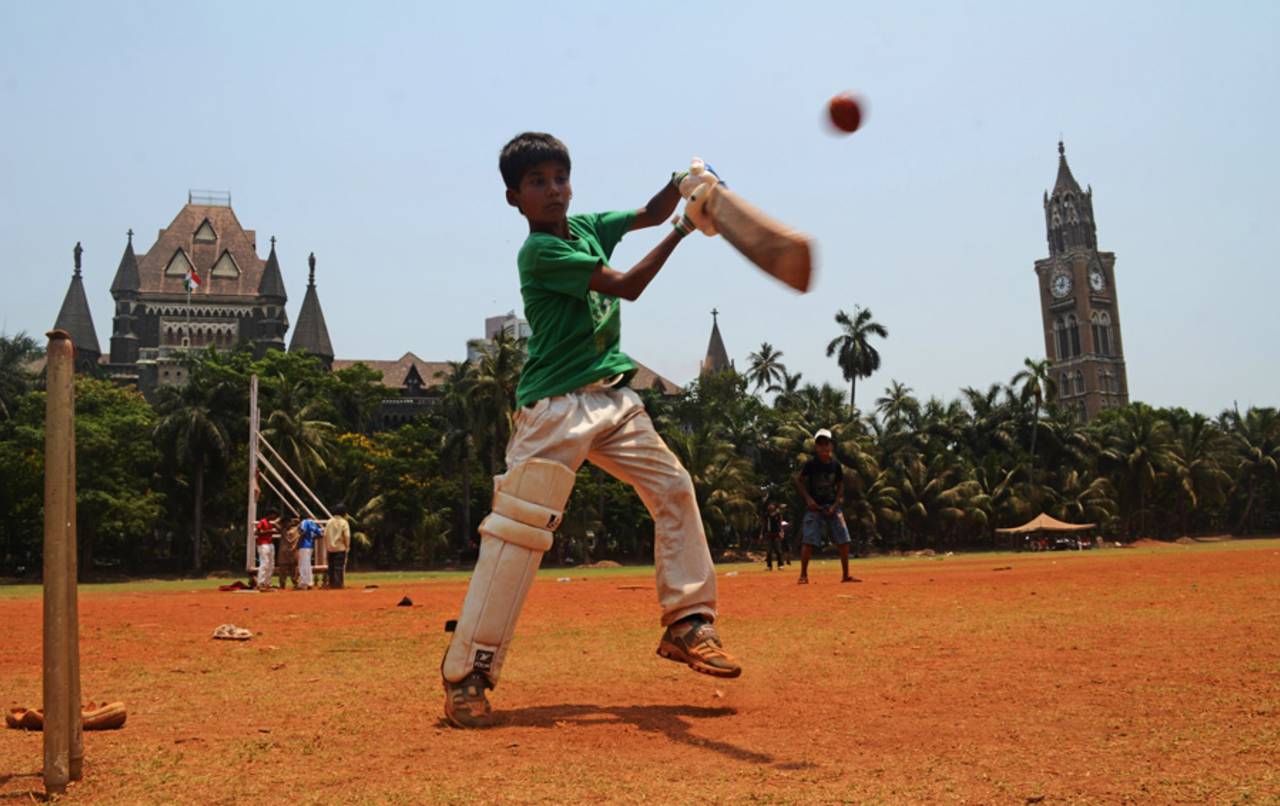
{"x": 74, "y": 317}
{"x": 200, "y": 283}
{"x": 1078, "y": 303}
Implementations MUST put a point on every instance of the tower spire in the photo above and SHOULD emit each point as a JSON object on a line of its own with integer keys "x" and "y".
{"x": 717, "y": 358}
{"x": 75, "y": 318}
{"x": 311, "y": 334}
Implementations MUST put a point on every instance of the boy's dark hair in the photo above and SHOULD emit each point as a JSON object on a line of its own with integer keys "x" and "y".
{"x": 269, "y": 512}
{"x": 340, "y": 509}
{"x": 527, "y": 150}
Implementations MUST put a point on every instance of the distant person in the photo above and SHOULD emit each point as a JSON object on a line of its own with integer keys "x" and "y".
{"x": 308, "y": 533}
{"x": 821, "y": 485}
{"x": 771, "y": 532}
{"x": 337, "y": 542}
{"x": 287, "y": 553}
{"x": 265, "y": 532}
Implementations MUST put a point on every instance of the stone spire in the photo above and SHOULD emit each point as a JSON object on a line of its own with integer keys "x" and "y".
{"x": 311, "y": 335}
{"x": 272, "y": 286}
{"x": 272, "y": 296}
{"x": 126, "y": 280}
{"x": 124, "y": 290}
{"x": 75, "y": 319}
{"x": 717, "y": 359}
{"x": 1068, "y": 212}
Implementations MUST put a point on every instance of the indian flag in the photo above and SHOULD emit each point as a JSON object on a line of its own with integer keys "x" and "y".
{"x": 192, "y": 280}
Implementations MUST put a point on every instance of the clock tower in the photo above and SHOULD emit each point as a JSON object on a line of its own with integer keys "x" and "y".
{"x": 1078, "y": 304}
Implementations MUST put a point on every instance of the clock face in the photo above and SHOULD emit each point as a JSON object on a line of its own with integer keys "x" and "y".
{"x": 1096, "y": 280}
{"x": 1060, "y": 285}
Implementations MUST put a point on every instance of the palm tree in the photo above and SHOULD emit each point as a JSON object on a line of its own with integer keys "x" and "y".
{"x": 458, "y": 433}
{"x": 189, "y": 429}
{"x": 788, "y": 391}
{"x": 1196, "y": 458}
{"x": 1255, "y": 438}
{"x": 494, "y": 382}
{"x": 852, "y": 348}
{"x": 16, "y": 353}
{"x": 1137, "y": 445}
{"x": 898, "y": 408}
{"x": 297, "y": 430}
{"x": 765, "y": 368}
{"x": 1035, "y": 384}
{"x": 722, "y": 482}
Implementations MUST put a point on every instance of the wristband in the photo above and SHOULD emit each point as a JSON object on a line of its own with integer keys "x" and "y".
{"x": 677, "y": 177}
{"x": 683, "y": 225}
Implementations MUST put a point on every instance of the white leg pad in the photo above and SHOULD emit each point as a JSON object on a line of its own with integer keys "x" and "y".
{"x": 528, "y": 504}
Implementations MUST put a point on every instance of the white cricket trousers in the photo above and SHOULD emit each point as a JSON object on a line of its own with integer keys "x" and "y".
{"x": 266, "y": 564}
{"x": 304, "y": 568}
{"x": 610, "y": 427}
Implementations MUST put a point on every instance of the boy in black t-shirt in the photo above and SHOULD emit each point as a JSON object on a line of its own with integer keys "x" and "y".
{"x": 821, "y": 485}
{"x": 771, "y": 531}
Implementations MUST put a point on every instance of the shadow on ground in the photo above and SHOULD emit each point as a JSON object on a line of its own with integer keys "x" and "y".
{"x": 673, "y": 721}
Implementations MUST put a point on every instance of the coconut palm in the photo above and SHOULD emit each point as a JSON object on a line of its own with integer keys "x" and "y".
{"x": 1035, "y": 385}
{"x": 296, "y": 427}
{"x": 723, "y": 483}
{"x": 853, "y": 349}
{"x": 190, "y": 431}
{"x": 898, "y": 408}
{"x": 1137, "y": 445}
{"x": 765, "y": 369}
{"x": 1255, "y": 439}
{"x": 1196, "y": 454}
{"x": 494, "y": 382}
{"x": 458, "y": 443}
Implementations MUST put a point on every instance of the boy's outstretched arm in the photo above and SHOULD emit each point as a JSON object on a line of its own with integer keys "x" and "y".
{"x": 628, "y": 285}
{"x": 660, "y": 207}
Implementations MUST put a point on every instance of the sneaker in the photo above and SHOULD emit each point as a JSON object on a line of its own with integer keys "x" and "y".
{"x": 851, "y": 579}
{"x": 465, "y": 705}
{"x": 802, "y": 581}
{"x": 695, "y": 642}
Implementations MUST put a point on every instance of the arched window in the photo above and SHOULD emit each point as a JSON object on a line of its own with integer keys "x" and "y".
{"x": 1104, "y": 328}
{"x": 1079, "y": 382}
{"x": 1060, "y": 339}
{"x": 1073, "y": 331}
{"x": 1064, "y": 385}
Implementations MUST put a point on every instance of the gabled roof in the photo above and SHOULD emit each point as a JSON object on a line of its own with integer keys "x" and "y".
{"x": 180, "y": 234}
{"x": 394, "y": 372}
{"x": 311, "y": 334}
{"x": 126, "y": 278}
{"x": 646, "y": 378}
{"x": 75, "y": 318}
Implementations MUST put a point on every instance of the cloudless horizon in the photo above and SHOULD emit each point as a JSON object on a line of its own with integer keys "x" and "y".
{"x": 369, "y": 135}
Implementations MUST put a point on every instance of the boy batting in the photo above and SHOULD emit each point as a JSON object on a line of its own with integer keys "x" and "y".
{"x": 573, "y": 405}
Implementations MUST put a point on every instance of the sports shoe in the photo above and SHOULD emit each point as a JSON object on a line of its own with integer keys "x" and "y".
{"x": 694, "y": 641}
{"x": 465, "y": 705}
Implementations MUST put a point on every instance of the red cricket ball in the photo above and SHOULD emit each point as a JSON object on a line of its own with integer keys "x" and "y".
{"x": 846, "y": 112}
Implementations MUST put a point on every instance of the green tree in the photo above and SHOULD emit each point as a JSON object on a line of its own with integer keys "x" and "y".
{"x": 855, "y": 354}
{"x": 1255, "y": 438}
{"x": 1034, "y": 385}
{"x": 16, "y": 379}
{"x": 1137, "y": 444}
{"x": 765, "y": 368}
{"x": 191, "y": 433}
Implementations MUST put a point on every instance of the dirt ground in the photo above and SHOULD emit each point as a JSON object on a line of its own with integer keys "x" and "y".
{"x": 1146, "y": 675}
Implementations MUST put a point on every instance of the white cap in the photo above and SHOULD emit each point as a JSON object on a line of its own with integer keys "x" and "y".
{"x": 822, "y": 432}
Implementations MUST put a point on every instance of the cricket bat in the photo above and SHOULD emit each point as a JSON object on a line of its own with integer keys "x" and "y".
{"x": 782, "y": 252}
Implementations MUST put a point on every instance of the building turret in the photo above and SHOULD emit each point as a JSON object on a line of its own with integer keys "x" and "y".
{"x": 75, "y": 319}
{"x": 272, "y": 296}
{"x": 124, "y": 290}
{"x": 311, "y": 335}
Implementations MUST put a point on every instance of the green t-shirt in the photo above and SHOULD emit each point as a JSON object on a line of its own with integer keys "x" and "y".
{"x": 575, "y": 331}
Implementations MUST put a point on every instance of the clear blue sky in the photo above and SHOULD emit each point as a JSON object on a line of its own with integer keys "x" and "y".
{"x": 369, "y": 133}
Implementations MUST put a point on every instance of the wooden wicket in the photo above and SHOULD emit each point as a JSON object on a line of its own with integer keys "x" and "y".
{"x": 63, "y": 729}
